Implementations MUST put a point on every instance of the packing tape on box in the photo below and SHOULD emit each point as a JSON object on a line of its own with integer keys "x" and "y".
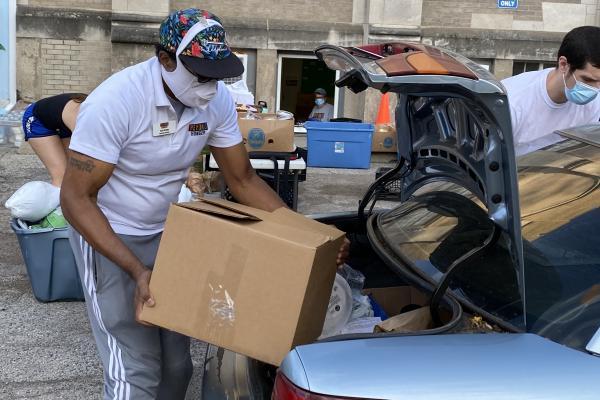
{"x": 221, "y": 304}
{"x": 220, "y": 297}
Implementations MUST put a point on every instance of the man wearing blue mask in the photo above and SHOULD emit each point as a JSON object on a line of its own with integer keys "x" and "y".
{"x": 322, "y": 111}
{"x": 556, "y": 98}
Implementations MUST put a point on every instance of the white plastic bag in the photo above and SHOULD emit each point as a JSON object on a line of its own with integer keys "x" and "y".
{"x": 33, "y": 201}
{"x": 361, "y": 306}
{"x": 240, "y": 92}
{"x": 185, "y": 194}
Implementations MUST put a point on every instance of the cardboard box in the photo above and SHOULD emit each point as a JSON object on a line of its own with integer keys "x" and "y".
{"x": 411, "y": 321}
{"x": 393, "y": 299}
{"x": 384, "y": 140}
{"x": 253, "y": 282}
{"x": 267, "y": 133}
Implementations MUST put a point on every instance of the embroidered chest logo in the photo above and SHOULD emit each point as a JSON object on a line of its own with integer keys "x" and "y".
{"x": 198, "y": 129}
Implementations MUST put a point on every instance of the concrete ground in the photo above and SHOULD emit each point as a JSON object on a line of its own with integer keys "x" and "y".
{"x": 46, "y": 350}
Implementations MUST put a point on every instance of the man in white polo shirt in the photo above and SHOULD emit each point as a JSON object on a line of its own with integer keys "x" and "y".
{"x": 136, "y": 136}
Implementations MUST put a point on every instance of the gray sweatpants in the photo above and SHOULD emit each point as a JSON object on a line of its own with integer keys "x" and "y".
{"x": 139, "y": 362}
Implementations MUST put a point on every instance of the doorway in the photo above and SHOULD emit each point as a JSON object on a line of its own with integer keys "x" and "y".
{"x": 298, "y": 77}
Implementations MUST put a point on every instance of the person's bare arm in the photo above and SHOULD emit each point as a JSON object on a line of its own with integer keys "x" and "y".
{"x": 83, "y": 179}
{"x": 245, "y": 185}
{"x": 69, "y": 114}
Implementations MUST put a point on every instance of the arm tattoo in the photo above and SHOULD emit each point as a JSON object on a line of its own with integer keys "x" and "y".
{"x": 85, "y": 166}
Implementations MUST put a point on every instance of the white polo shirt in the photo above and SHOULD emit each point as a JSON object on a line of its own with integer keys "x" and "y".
{"x": 535, "y": 116}
{"x": 129, "y": 121}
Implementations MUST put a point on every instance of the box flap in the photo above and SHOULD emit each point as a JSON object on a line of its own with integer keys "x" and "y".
{"x": 291, "y": 234}
{"x": 282, "y": 223}
{"x": 210, "y": 208}
{"x": 260, "y": 116}
{"x": 237, "y": 207}
{"x": 394, "y": 299}
{"x": 287, "y": 216}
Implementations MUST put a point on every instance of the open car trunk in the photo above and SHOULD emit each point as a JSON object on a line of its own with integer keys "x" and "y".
{"x": 230, "y": 375}
{"x": 453, "y": 127}
{"x": 398, "y": 289}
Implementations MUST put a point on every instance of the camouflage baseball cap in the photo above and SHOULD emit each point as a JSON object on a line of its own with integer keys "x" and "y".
{"x": 207, "y": 54}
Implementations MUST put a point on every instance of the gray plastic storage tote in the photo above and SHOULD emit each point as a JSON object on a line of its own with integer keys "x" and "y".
{"x": 50, "y": 263}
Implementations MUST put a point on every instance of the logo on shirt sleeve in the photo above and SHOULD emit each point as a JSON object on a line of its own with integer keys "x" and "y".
{"x": 198, "y": 129}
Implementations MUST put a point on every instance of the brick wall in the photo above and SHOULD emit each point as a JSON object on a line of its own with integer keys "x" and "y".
{"x": 308, "y": 10}
{"x": 81, "y": 4}
{"x": 532, "y": 15}
{"x": 438, "y": 13}
{"x": 73, "y": 65}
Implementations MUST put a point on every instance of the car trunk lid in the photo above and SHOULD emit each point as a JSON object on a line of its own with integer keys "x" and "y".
{"x": 453, "y": 125}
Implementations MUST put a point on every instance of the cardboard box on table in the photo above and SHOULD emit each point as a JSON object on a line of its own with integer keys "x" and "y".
{"x": 267, "y": 133}
{"x": 253, "y": 282}
{"x": 384, "y": 139}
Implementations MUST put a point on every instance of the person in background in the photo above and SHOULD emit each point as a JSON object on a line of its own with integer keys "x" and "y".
{"x": 542, "y": 102}
{"x": 263, "y": 106}
{"x": 322, "y": 111}
{"x": 48, "y": 125}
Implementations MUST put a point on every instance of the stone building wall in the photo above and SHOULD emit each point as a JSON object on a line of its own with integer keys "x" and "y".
{"x": 531, "y": 15}
{"x": 61, "y": 50}
{"x": 293, "y": 10}
{"x": 73, "y": 65}
{"x": 72, "y": 45}
{"x": 72, "y": 4}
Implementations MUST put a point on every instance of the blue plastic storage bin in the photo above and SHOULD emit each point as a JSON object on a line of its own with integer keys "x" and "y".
{"x": 339, "y": 144}
{"x": 50, "y": 263}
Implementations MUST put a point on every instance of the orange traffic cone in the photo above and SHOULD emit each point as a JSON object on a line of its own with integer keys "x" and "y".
{"x": 383, "y": 115}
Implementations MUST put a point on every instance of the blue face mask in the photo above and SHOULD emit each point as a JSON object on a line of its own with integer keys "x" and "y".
{"x": 580, "y": 93}
{"x": 320, "y": 101}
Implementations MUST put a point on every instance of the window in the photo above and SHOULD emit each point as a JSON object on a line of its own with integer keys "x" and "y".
{"x": 561, "y": 246}
{"x": 527, "y": 66}
{"x": 484, "y": 63}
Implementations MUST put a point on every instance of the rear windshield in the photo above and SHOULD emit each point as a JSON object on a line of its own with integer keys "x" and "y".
{"x": 559, "y": 192}
{"x": 431, "y": 231}
{"x": 560, "y": 216}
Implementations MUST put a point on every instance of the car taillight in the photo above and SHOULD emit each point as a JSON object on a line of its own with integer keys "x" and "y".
{"x": 286, "y": 390}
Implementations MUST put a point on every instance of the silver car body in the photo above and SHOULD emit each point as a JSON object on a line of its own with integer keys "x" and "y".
{"x": 452, "y": 367}
{"x": 469, "y": 144}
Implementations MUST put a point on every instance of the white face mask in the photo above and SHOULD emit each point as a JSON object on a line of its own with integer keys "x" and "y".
{"x": 183, "y": 83}
{"x": 187, "y": 89}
